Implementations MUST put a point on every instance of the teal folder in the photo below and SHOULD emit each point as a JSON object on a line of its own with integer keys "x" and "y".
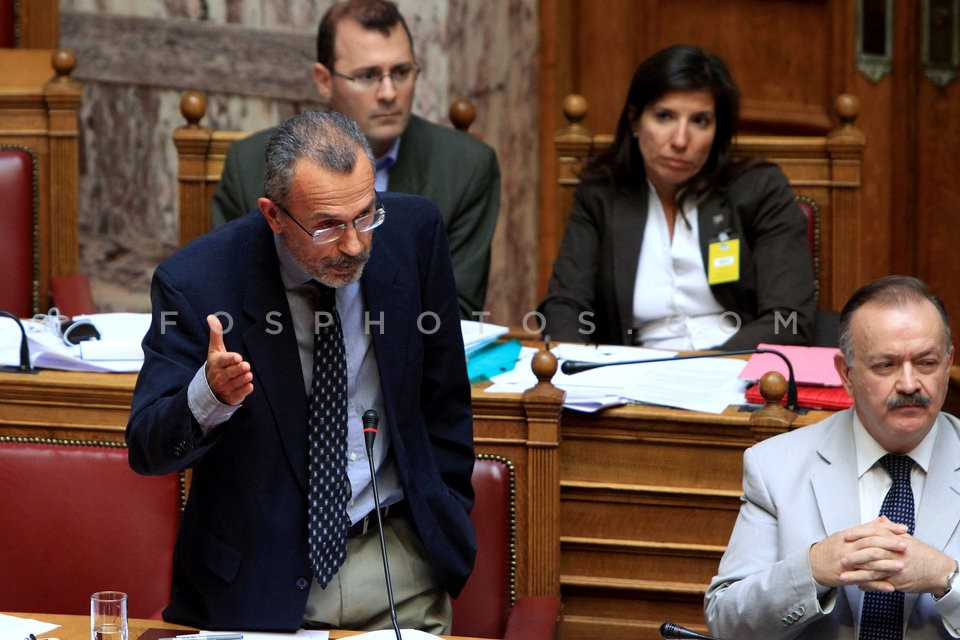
{"x": 492, "y": 360}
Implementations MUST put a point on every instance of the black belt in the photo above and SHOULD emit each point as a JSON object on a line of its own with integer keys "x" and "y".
{"x": 369, "y": 521}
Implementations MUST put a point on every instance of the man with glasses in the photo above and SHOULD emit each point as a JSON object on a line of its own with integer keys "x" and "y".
{"x": 272, "y": 338}
{"x": 366, "y": 69}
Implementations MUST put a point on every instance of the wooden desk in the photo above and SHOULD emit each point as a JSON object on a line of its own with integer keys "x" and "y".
{"x": 78, "y": 627}
{"x": 65, "y": 404}
{"x": 625, "y": 513}
{"x": 648, "y": 497}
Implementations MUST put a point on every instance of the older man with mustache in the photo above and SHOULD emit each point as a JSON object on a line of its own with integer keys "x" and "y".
{"x": 849, "y": 528}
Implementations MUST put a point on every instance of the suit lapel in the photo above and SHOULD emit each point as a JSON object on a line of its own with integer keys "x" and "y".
{"x": 941, "y": 494}
{"x": 712, "y": 218}
{"x": 629, "y": 218}
{"x": 387, "y": 301}
{"x": 836, "y": 487}
{"x": 274, "y": 356}
{"x": 404, "y": 175}
{"x": 941, "y": 490}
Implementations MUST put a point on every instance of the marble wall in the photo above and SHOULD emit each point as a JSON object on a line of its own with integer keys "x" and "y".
{"x": 252, "y": 58}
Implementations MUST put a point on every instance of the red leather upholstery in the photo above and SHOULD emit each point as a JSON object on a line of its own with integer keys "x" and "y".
{"x": 70, "y": 293}
{"x": 76, "y": 519}
{"x": 17, "y": 261}
{"x": 484, "y": 608}
{"x": 8, "y": 24}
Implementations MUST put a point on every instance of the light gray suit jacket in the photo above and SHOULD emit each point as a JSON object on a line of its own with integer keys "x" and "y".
{"x": 799, "y": 488}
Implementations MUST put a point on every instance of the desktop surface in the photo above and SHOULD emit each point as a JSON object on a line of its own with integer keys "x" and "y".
{"x": 77, "y": 627}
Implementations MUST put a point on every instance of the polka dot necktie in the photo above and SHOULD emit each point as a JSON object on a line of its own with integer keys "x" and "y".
{"x": 882, "y": 614}
{"x": 327, "y": 433}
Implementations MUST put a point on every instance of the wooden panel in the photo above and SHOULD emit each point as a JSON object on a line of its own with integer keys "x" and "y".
{"x": 935, "y": 218}
{"x": 638, "y": 512}
{"x": 38, "y": 24}
{"x": 649, "y": 497}
{"x": 792, "y": 96}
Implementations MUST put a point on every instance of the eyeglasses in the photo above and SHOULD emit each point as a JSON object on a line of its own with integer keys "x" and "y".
{"x": 401, "y": 75}
{"x": 334, "y": 232}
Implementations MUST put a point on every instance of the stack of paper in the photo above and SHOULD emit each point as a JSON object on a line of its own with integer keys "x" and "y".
{"x": 477, "y": 335}
{"x": 117, "y": 350}
{"x": 709, "y": 385}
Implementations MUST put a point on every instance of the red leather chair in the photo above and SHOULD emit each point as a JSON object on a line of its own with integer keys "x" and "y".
{"x": 76, "y": 519}
{"x": 70, "y": 293}
{"x": 488, "y": 607}
{"x": 18, "y": 219}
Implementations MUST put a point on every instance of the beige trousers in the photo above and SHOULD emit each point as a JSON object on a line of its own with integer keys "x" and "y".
{"x": 356, "y": 598}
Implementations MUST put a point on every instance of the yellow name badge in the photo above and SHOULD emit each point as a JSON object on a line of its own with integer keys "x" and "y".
{"x": 724, "y": 258}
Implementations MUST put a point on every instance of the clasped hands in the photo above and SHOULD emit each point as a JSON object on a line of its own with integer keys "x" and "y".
{"x": 880, "y": 556}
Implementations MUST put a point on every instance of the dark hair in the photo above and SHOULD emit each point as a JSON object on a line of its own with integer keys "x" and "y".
{"x": 373, "y": 15}
{"x": 676, "y": 68}
{"x": 327, "y": 138}
{"x": 888, "y": 291}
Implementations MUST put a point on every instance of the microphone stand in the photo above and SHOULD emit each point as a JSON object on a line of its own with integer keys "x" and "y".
{"x": 25, "y": 366}
{"x": 571, "y": 367}
{"x": 370, "y": 420}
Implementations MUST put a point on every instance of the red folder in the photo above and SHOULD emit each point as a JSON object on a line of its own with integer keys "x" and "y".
{"x": 834, "y": 398}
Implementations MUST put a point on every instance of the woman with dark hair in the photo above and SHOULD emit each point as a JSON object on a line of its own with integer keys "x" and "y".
{"x": 672, "y": 243}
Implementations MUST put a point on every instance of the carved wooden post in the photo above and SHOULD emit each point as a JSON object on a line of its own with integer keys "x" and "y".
{"x": 543, "y": 404}
{"x": 61, "y": 95}
{"x": 192, "y": 141}
{"x": 845, "y": 147}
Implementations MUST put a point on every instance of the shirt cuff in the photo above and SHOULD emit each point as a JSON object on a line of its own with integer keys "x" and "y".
{"x": 949, "y": 609}
{"x": 208, "y": 411}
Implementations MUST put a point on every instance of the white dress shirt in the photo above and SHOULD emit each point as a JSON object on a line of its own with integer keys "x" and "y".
{"x": 673, "y": 306}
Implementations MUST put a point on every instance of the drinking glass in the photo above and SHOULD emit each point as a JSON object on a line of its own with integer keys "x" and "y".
{"x": 108, "y": 615}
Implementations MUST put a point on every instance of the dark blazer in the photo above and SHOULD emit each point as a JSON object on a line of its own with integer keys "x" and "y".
{"x": 456, "y": 171}
{"x": 596, "y": 267}
{"x": 241, "y": 555}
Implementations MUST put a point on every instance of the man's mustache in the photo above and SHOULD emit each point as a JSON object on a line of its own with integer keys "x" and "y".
{"x": 915, "y": 399}
{"x": 348, "y": 261}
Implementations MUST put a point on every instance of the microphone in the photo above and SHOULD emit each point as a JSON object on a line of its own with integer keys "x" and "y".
{"x": 25, "y": 366}
{"x": 370, "y": 420}
{"x": 570, "y": 367}
{"x": 671, "y": 631}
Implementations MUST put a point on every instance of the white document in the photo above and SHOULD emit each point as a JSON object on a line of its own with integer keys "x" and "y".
{"x": 315, "y": 634}
{"x": 477, "y": 335}
{"x": 708, "y": 385}
{"x": 118, "y": 349}
{"x": 14, "y": 627}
